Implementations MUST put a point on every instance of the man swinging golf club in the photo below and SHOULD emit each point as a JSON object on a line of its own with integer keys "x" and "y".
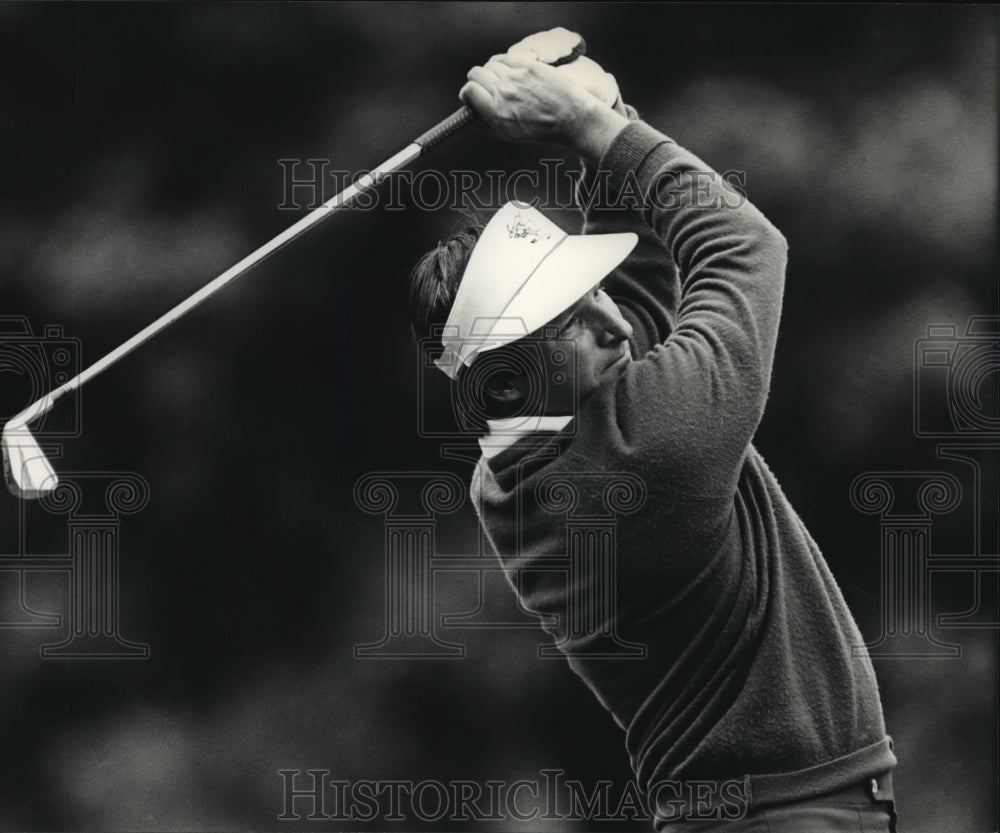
{"x": 672, "y": 302}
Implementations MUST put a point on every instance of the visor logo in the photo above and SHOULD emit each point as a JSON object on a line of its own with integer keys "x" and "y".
{"x": 520, "y": 230}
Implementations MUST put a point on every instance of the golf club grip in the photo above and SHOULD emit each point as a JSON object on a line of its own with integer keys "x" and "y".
{"x": 449, "y": 127}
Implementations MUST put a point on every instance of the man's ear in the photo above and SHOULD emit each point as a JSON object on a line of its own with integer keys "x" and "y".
{"x": 506, "y": 387}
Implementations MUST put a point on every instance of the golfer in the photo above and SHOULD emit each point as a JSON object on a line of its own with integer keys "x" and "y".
{"x": 672, "y": 298}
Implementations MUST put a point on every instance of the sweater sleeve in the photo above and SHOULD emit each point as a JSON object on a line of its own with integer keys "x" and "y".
{"x": 645, "y": 287}
{"x": 691, "y": 404}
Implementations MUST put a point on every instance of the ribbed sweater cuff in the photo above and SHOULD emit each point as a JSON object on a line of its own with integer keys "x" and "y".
{"x": 767, "y": 790}
{"x": 628, "y": 155}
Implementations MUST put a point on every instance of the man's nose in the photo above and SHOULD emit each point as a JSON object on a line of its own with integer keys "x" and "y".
{"x": 612, "y": 326}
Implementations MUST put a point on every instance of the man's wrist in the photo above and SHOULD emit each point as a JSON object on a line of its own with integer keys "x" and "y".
{"x": 594, "y": 131}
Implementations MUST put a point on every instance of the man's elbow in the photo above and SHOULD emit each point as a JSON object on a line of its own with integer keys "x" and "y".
{"x": 772, "y": 241}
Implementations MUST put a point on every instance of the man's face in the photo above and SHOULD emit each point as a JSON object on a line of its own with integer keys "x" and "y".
{"x": 596, "y": 325}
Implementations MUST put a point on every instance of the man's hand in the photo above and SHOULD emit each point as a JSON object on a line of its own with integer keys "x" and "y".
{"x": 555, "y": 45}
{"x": 523, "y": 99}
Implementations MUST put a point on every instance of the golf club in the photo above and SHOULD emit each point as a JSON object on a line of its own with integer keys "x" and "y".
{"x": 27, "y": 471}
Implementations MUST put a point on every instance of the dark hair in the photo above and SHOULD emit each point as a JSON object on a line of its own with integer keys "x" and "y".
{"x": 434, "y": 281}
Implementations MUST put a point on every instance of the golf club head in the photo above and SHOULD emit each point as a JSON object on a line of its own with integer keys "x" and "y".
{"x": 26, "y": 470}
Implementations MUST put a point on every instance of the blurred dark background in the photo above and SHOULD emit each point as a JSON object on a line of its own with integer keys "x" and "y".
{"x": 141, "y": 146}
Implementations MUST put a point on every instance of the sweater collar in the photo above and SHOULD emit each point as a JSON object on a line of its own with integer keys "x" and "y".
{"x": 503, "y": 433}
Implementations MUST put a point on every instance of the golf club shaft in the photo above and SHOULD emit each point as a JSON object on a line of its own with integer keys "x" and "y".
{"x": 426, "y": 141}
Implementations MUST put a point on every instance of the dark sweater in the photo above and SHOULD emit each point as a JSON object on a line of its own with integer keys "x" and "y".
{"x": 750, "y": 670}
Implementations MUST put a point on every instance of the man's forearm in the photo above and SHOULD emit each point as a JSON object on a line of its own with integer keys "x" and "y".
{"x": 596, "y": 128}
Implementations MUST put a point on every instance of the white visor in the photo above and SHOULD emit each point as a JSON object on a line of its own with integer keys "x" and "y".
{"x": 522, "y": 273}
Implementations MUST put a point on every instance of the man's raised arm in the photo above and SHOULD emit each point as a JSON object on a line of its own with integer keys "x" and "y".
{"x": 696, "y": 399}
{"x": 706, "y": 384}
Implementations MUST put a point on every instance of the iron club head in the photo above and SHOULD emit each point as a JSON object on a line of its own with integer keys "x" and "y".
{"x": 28, "y": 473}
